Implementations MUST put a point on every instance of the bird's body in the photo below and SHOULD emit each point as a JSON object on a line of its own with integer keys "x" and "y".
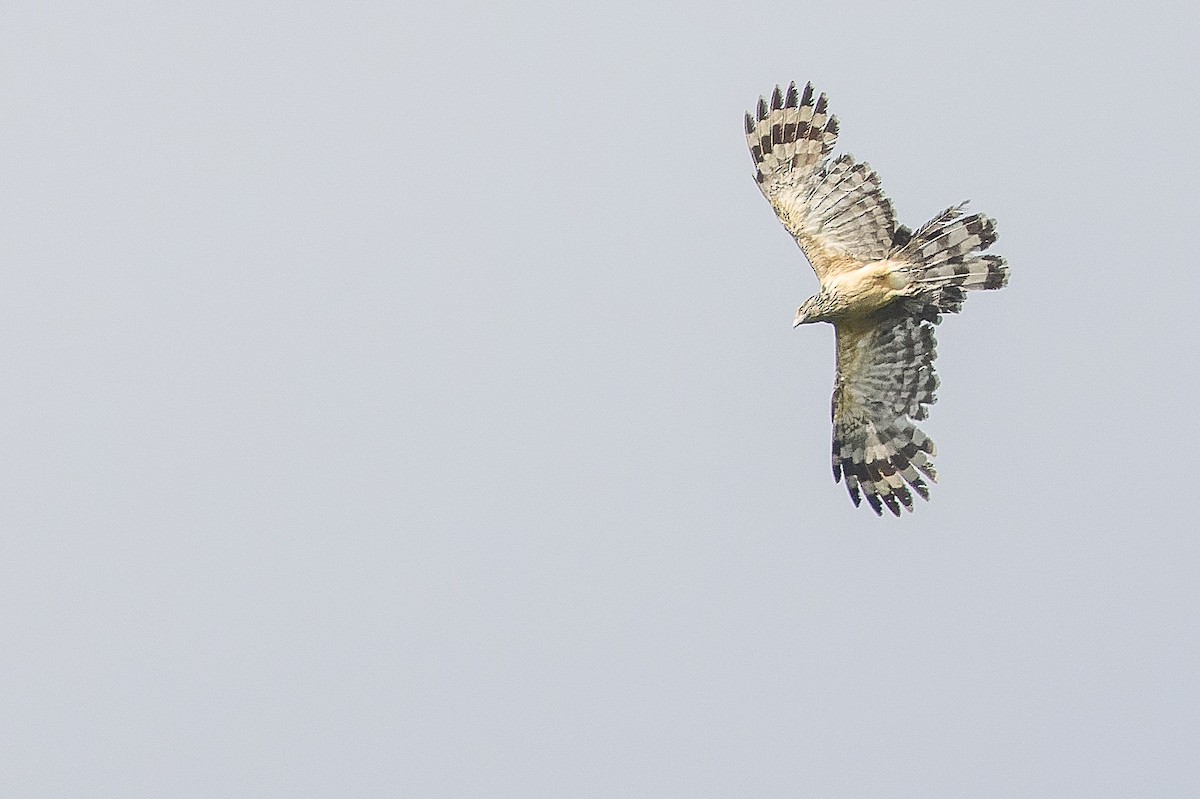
{"x": 858, "y": 291}
{"x": 883, "y": 287}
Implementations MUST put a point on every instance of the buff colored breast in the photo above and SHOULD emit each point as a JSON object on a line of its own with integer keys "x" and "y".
{"x": 866, "y": 289}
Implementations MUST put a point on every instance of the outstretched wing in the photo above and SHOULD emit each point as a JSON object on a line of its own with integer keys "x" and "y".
{"x": 836, "y": 211}
{"x": 885, "y": 380}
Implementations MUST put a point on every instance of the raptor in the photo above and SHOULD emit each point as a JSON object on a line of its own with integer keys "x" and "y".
{"x": 882, "y": 286}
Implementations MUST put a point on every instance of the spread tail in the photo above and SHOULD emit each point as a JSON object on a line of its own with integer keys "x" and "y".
{"x": 947, "y": 260}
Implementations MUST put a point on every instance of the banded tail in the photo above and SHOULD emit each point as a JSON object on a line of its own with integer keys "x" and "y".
{"x": 947, "y": 260}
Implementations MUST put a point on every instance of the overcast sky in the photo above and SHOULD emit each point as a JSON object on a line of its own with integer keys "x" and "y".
{"x": 404, "y": 401}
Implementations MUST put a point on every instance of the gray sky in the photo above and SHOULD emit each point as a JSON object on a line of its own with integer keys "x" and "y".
{"x": 403, "y": 402}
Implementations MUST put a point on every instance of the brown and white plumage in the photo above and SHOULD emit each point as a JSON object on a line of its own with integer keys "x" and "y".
{"x": 883, "y": 287}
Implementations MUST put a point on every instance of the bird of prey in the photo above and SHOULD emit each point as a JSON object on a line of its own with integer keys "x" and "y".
{"x": 883, "y": 288}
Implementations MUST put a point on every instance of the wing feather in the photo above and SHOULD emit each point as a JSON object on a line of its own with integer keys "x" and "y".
{"x": 836, "y": 211}
{"x": 885, "y": 381}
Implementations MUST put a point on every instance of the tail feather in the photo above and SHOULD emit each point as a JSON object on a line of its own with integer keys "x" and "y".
{"x": 946, "y": 257}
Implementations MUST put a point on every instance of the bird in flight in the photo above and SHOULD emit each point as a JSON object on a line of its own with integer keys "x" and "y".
{"x": 883, "y": 288}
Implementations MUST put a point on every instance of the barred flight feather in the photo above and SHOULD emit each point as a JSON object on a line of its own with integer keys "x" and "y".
{"x": 833, "y": 210}
{"x": 885, "y": 380}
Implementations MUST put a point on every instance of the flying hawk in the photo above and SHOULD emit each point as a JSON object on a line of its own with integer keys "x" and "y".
{"x": 883, "y": 288}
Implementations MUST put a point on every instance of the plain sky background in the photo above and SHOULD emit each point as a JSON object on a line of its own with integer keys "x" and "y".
{"x": 403, "y": 401}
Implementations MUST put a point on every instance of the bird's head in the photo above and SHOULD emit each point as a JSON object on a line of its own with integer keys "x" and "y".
{"x": 810, "y": 310}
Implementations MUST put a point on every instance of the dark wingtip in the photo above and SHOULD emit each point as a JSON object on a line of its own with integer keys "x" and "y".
{"x": 762, "y": 109}
{"x": 749, "y": 124}
{"x": 919, "y": 486}
{"x": 792, "y": 96}
{"x": 776, "y": 99}
{"x": 997, "y": 272}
